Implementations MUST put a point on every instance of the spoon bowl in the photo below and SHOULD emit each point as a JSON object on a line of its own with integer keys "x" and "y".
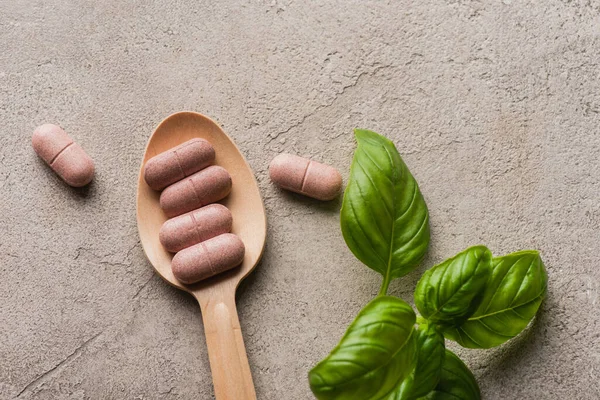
{"x": 229, "y": 364}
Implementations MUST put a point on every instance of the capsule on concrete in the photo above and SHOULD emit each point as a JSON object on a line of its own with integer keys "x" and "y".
{"x": 175, "y": 164}
{"x": 304, "y": 176}
{"x": 208, "y": 258}
{"x": 63, "y": 155}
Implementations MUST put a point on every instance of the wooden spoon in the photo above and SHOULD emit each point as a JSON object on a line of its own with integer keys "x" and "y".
{"x": 228, "y": 360}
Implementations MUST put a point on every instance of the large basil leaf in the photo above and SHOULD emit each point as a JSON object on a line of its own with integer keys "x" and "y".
{"x": 456, "y": 382}
{"x": 377, "y": 352}
{"x": 426, "y": 375}
{"x": 384, "y": 217}
{"x": 511, "y": 299}
{"x": 449, "y": 292}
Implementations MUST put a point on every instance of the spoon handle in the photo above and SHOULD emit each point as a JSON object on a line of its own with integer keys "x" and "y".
{"x": 226, "y": 351}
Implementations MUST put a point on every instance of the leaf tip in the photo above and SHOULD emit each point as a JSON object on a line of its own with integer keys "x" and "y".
{"x": 371, "y": 137}
{"x": 314, "y": 378}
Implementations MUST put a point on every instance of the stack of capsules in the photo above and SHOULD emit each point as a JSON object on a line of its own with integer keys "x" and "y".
{"x": 198, "y": 230}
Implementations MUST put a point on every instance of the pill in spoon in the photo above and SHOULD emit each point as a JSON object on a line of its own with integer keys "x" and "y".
{"x": 204, "y": 187}
{"x": 195, "y": 226}
{"x": 208, "y": 258}
{"x": 175, "y": 164}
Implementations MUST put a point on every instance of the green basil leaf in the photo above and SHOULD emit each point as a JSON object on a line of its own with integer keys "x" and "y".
{"x": 456, "y": 381}
{"x": 384, "y": 218}
{"x": 377, "y": 352}
{"x": 516, "y": 288}
{"x": 427, "y": 372}
{"x": 449, "y": 292}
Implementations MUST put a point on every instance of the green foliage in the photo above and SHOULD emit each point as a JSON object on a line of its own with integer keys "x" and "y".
{"x": 428, "y": 369}
{"x": 456, "y": 381}
{"x": 377, "y": 352}
{"x": 447, "y": 292}
{"x": 479, "y": 301}
{"x": 384, "y": 217}
{"x": 512, "y": 296}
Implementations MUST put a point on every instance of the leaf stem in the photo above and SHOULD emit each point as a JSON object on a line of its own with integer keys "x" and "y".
{"x": 385, "y": 285}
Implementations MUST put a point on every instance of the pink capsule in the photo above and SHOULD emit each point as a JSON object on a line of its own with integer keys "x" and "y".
{"x": 64, "y": 156}
{"x": 195, "y": 226}
{"x": 209, "y": 258}
{"x": 305, "y": 176}
{"x": 175, "y": 164}
{"x": 204, "y": 187}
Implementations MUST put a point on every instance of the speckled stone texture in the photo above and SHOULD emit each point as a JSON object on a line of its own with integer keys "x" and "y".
{"x": 494, "y": 105}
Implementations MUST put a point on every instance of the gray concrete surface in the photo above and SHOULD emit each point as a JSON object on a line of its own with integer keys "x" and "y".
{"x": 495, "y": 106}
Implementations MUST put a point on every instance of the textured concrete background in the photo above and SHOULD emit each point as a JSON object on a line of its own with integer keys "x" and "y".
{"x": 495, "y": 106}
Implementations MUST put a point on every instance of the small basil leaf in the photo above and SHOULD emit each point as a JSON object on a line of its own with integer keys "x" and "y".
{"x": 456, "y": 381}
{"x": 384, "y": 217}
{"x": 448, "y": 293}
{"x": 377, "y": 352}
{"x": 515, "y": 290}
{"x": 430, "y": 358}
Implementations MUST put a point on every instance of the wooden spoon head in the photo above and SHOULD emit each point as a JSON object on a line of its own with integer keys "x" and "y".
{"x": 244, "y": 201}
